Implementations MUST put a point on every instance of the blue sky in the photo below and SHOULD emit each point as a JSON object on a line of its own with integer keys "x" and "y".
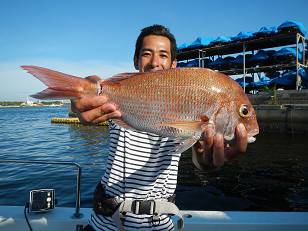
{"x": 98, "y": 37}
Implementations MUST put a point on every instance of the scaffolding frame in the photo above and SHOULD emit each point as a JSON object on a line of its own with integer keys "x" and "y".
{"x": 252, "y": 45}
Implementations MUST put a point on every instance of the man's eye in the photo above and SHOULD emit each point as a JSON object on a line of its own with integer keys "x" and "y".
{"x": 146, "y": 54}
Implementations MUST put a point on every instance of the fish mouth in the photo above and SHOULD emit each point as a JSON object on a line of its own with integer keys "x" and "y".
{"x": 250, "y": 139}
{"x": 251, "y": 136}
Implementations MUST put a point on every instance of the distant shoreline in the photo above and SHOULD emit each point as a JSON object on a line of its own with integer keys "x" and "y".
{"x": 15, "y": 106}
{"x": 28, "y": 103}
{"x": 1, "y": 106}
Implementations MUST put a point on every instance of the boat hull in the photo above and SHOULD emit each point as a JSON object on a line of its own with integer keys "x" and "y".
{"x": 12, "y": 219}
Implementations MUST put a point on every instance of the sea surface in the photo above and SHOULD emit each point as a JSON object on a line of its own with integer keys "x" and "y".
{"x": 271, "y": 176}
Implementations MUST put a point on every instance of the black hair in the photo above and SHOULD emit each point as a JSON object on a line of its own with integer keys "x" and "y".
{"x": 154, "y": 30}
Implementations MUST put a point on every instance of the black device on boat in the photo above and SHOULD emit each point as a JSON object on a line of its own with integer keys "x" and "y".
{"x": 41, "y": 200}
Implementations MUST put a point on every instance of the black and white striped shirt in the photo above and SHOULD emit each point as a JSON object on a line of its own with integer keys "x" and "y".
{"x": 140, "y": 166}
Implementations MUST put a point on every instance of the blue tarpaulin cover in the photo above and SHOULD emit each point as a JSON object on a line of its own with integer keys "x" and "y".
{"x": 220, "y": 40}
{"x": 205, "y": 41}
{"x": 190, "y": 63}
{"x": 242, "y": 36}
{"x": 287, "y": 51}
{"x": 261, "y": 55}
{"x": 239, "y": 59}
{"x": 292, "y": 24}
{"x": 200, "y": 42}
{"x": 303, "y": 72}
{"x": 266, "y": 31}
{"x": 217, "y": 63}
{"x": 248, "y": 81}
{"x": 286, "y": 79}
{"x": 273, "y": 75}
{"x": 263, "y": 81}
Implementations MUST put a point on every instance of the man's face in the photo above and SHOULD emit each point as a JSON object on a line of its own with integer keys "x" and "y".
{"x": 155, "y": 54}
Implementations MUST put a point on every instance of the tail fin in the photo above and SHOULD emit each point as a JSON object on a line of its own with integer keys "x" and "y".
{"x": 60, "y": 85}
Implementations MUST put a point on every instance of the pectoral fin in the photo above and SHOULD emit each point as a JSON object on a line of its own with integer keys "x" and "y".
{"x": 186, "y": 144}
{"x": 185, "y": 125}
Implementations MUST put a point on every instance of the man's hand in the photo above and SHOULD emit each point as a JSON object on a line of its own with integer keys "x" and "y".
{"x": 91, "y": 110}
{"x": 211, "y": 149}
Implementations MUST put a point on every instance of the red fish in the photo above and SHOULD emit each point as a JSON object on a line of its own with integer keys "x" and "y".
{"x": 175, "y": 102}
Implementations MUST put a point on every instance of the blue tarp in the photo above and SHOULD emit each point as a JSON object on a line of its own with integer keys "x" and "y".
{"x": 238, "y": 60}
{"x": 200, "y": 42}
{"x": 266, "y": 31}
{"x": 289, "y": 25}
{"x": 248, "y": 81}
{"x": 263, "y": 81}
{"x": 228, "y": 62}
{"x": 260, "y": 56}
{"x": 286, "y": 79}
{"x": 242, "y": 36}
{"x": 289, "y": 78}
{"x": 303, "y": 72}
{"x": 217, "y": 63}
{"x": 286, "y": 52}
{"x": 220, "y": 40}
{"x": 273, "y": 75}
{"x": 190, "y": 63}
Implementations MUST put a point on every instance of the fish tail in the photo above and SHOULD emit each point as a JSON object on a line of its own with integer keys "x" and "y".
{"x": 60, "y": 85}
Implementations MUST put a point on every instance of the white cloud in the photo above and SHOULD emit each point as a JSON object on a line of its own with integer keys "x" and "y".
{"x": 17, "y": 84}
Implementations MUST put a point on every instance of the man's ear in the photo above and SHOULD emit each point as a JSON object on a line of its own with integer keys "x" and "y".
{"x": 136, "y": 63}
{"x": 174, "y": 63}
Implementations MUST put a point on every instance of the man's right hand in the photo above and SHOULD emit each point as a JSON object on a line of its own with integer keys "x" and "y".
{"x": 94, "y": 109}
{"x": 91, "y": 110}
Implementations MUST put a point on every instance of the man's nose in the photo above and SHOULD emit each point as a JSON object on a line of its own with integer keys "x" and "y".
{"x": 155, "y": 61}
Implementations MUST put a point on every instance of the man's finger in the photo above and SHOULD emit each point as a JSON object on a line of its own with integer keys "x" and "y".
{"x": 88, "y": 103}
{"x": 218, "y": 150}
{"x": 103, "y": 118}
{"x": 91, "y": 116}
{"x": 241, "y": 138}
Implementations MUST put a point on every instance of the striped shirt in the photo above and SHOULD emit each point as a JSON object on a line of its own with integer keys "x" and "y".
{"x": 140, "y": 166}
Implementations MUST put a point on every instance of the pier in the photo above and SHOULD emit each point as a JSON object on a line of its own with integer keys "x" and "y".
{"x": 282, "y": 111}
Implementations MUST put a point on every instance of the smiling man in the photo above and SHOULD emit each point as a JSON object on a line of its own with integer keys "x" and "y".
{"x": 142, "y": 167}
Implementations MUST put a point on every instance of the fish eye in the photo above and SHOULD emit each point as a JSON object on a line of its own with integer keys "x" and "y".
{"x": 244, "y": 110}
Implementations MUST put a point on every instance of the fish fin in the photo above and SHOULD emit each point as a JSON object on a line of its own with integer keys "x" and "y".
{"x": 186, "y": 144}
{"x": 60, "y": 85}
{"x": 120, "y": 77}
{"x": 49, "y": 93}
{"x": 185, "y": 125}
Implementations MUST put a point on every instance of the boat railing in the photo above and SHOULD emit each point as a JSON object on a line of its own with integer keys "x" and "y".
{"x": 77, "y": 213}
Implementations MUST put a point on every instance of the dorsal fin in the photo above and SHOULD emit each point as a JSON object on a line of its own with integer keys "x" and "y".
{"x": 122, "y": 76}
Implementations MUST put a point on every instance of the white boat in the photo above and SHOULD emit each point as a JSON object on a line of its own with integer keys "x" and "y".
{"x": 12, "y": 218}
{"x": 16, "y": 218}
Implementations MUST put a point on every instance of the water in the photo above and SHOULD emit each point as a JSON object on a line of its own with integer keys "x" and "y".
{"x": 270, "y": 176}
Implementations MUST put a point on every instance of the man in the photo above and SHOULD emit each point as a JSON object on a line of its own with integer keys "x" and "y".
{"x": 144, "y": 166}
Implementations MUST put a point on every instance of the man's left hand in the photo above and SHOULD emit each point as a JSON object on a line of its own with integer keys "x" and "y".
{"x": 212, "y": 149}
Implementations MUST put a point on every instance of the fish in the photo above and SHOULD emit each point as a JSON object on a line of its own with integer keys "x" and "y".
{"x": 176, "y": 103}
